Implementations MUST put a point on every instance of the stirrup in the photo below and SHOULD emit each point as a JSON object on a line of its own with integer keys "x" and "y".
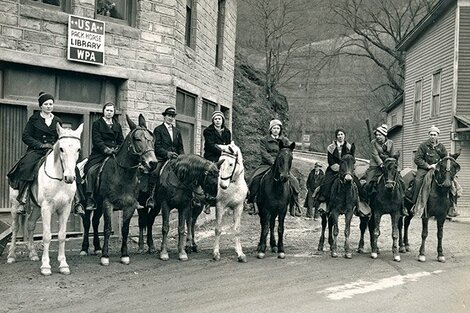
{"x": 21, "y": 210}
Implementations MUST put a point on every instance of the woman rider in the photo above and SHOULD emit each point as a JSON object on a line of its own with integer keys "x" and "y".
{"x": 269, "y": 147}
{"x": 106, "y": 136}
{"x": 40, "y": 134}
{"x": 216, "y": 133}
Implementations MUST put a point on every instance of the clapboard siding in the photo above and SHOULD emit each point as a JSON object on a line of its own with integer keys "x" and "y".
{"x": 432, "y": 52}
{"x": 397, "y": 135}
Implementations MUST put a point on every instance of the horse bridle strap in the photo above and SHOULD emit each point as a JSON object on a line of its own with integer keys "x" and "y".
{"x": 234, "y": 167}
{"x": 61, "y": 164}
{"x": 133, "y": 151}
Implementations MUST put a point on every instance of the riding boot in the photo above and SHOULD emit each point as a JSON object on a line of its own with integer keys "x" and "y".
{"x": 90, "y": 202}
{"x": 207, "y": 209}
{"x": 77, "y": 205}
{"x": 23, "y": 197}
{"x": 404, "y": 210}
{"x": 309, "y": 212}
{"x": 316, "y": 214}
{"x": 150, "y": 202}
{"x": 453, "y": 206}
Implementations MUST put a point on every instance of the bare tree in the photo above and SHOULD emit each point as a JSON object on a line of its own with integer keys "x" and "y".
{"x": 372, "y": 29}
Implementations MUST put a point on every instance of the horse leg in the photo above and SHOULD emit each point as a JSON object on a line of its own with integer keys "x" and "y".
{"x": 347, "y": 232}
{"x": 218, "y": 232}
{"x": 401, "y": 243}
{"x": 107, "y": 213}
{"x": 324, "y": 222}
{"x": 183, "y": 219}
{"x": 143, "y": 216}
{"x": 14, "y": 231}
{"x": 395, "y": 217}
{"x": 362, "y": 226}
{"x": 264, "y": 221}
{"x": 46, "y": 238}
{"x": 126, "y": 220}
{"x": 96, "y": 223}
{"x": 280, "y": 235}
{"x": 165, "y": 228}
{"x": 152, "y": 214}
{"x": 63, "y": 266}
{"x": 237, "y": 216}
{"x": 424, "y": 235}
{"x": 30, "y": 227}
{"x": 333, "y": 233}
{"x": 405, "y": 235}
{"x": 377, "y": 217}
{"x": 86, "y": 232}
{"x": 272, "y": 238}
{"x": 440, "y": 235}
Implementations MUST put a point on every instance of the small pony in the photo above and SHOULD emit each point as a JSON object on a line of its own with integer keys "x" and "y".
{"x": 117, "y": 188}
{"x": 52, "y": 192}
{"x": 232, "y": 193}
{"x": 272, "y": 200}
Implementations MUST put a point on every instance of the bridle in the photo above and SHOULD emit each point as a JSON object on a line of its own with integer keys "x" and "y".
{"x": 393, "y": 182}
{"x": 448, "y": 169}
{"x": 233, "y": 156}
{"x": 275, "y": 166}
{"x": 133, "y": 151}
{"x": 61, "y": 161}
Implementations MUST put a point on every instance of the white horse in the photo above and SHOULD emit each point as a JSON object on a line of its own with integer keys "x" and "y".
{"x": 54, "y": 189}
{"x": 231, "y": 194}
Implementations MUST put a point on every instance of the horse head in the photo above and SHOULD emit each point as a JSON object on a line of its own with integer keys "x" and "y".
{"x": 390, "y": 171}
{"x": 142, "y": 144}
{"x": 232, "y": 167}
{"x": 446, "y": 169}
{"x": 346, "y": 167}
{"x": 210, "y": 179}
{"x": 283, "y": 162}
{"x": 67, "y": 150}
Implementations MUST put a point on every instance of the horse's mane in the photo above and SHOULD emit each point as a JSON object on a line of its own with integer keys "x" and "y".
{"x": 188, "y": 167}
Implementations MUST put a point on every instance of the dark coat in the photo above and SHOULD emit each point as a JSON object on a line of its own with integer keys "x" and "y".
{"x": 213, "y": 137}
{"x": 269, "y": 147}
{"x": 164, "y": 144}
{"x": 428, "y": 154}
{"x": 314, "y": 180}
{"x": 35, "y": 134}
{"x": 102, "y": 137}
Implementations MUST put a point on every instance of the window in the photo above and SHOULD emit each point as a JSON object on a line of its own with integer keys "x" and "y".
{"x": 190, "y": 27}
{"x": 436, "y": 94}
{"x": 418, "y": 100}
{"x": 219, "y": 46}
{"x": 186, "y": 118}
{"x": 59, "y": 5}
{"x": 118, "y": 11}
{"x": 208, "y": 107}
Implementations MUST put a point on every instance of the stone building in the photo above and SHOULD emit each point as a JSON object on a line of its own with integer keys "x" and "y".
{"x": 157, "y": 53}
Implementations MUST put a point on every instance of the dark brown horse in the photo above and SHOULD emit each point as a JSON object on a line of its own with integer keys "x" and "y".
{"x": 117, "y": 188}
{"x": 186, "y": 183}
{"x": 344, "y": 198}
{"x": 388, "y": 199}
{"x": 273, "y": 199}
{"x": 438, "y": 203}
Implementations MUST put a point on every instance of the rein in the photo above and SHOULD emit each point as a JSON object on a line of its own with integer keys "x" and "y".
{"x": 447, "y": 170}
{"x": 234, "y": 167}
{"x": 133, "y": 151}
{"x": 61, "y": 162}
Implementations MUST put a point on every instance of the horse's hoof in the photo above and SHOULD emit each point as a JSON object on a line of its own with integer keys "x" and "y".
{"x": 183, "y": 257}
{"x": 152, "y": 250}
{"x": 360, "y": 250}
{"x": 348, "y": 255}
{"x": 164, "y": 256}
{"x": 242, "y": 258}
{"x": 374, "y": 255}
{"x": 421, "y": 258}
{"x": 396, "y": 258}
{"x": 407, "y": 248}
{"x": 274, "y": 249}
{"x": 97, "y": 252}
{"x": 104, "y": 261}
{"x": 83, "y": 253}
{"x": 195, "y": 249}
{"x": 334, "y": 254}
{"x": 64, "y": 270}
{"x": 281, "y": 255}
{"x": 261, "y": 255}
{"x": 141, "y": 251}
{"x": 35, "y": 258}
{"x": 11, "y": 260}
{"x": 402, "y": 250}
{"x": 216, "y": 257}
{"x": 46, "y": 271}
{"x": 125, "y": 260}
{"x": 441, "y": 259}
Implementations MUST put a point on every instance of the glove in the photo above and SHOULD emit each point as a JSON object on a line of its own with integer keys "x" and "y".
{"x": 108, "y": 151}
{"x": 171, "y": 155}
{"x": 335, "y": 167}
{"x": 46, "y": 146}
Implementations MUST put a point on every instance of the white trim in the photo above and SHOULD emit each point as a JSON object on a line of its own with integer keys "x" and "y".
{"x": 456, "y": 72}
{"x": 439, "y": 71}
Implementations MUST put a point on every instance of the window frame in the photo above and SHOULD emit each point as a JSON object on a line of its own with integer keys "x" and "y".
{"x": 434, "y": 111}
{"x": 418, "y": 102}
{"x": 131, "y": 14}
{"x": 182, "y": 117}
{"x": 219, "y": 44}
{"x": 66, "y": 5}
{"x": 190, "y": 26}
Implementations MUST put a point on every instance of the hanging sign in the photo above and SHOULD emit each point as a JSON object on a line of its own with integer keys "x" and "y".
{"x": 86, "y": 40}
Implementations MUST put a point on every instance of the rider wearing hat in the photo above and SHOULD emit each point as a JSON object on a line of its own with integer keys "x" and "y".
{"x": 314, "y": 180}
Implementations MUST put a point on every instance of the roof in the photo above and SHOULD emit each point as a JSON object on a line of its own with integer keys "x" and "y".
{"x": 436, "y": 12}
{"x": 465, "y": 120}
{"x": 394, "y": 128}
{"x": 396, "y": 102}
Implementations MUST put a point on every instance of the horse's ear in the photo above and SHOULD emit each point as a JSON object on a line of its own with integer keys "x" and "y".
{"x": 292, "y": 146}
{"x": 396, "y": 155}
{"x": 219, "y": 147}
{"x": 231, "y": 150}
{"x": 142, "y": 122}
{"x": 130, "y": 123}
{"x": 219, "y": 163}
{"x": 457, "y": 154}
{"x": 59, "y": 129}
{"x": 79, "y": 130}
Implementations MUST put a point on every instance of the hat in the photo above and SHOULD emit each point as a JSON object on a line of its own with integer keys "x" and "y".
{"x": 433, "y": 129}
{"x": 43, "y": 97}
{"x": 273, "y": 123}
{"x": 169, "y": 111}
{"x": 217, "y": 113}
{"x": 339, "y": 130}
{"x": 382, "y": 129}
{"x": 318, "y": 164}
